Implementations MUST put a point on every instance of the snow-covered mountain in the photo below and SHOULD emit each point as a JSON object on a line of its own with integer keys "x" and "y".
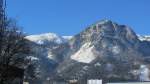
{"x": 48, "y": 38}
{"x": 105, "y": 50}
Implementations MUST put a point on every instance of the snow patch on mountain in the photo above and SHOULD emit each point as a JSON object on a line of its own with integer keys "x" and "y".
{"x": 84, "y": 54}
{"x": 50, "y": 56}
{"x": 116, "y": 49}
{"x": 144, "y": 73}
{"x": 40, "y": 42}
{"x": 97, "y": 64}
{"x": 32, "y": 58}
{"x": 144, "y": 37}
{"x": 67, "y": 37}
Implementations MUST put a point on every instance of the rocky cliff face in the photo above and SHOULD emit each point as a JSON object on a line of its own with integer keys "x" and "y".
{"x": 104, "y": 50}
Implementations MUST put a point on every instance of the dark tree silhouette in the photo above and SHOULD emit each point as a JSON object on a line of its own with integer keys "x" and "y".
{"x": 13, "y": 47}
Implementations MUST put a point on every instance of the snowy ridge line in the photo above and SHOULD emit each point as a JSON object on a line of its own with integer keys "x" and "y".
{"x": 48, "y": 37}
{"x": 144, "y": 37}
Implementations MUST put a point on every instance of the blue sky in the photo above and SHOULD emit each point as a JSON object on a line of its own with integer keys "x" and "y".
{"x": 69, "y": 17}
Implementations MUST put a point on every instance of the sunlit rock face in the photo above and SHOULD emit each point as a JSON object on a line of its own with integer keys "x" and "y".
{"x": 104, "y": 50}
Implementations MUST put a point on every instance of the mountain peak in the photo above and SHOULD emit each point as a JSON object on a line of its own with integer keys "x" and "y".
{"x": 104, "y": 21}
{"x": 108, "y": 29}
{"x": 104, "y": 33}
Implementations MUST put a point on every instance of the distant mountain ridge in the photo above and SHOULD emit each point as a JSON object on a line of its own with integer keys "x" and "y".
{"x": 105, "y": 50}
{"x": 144, "y": 37}
{"x": 48, "y": 37}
